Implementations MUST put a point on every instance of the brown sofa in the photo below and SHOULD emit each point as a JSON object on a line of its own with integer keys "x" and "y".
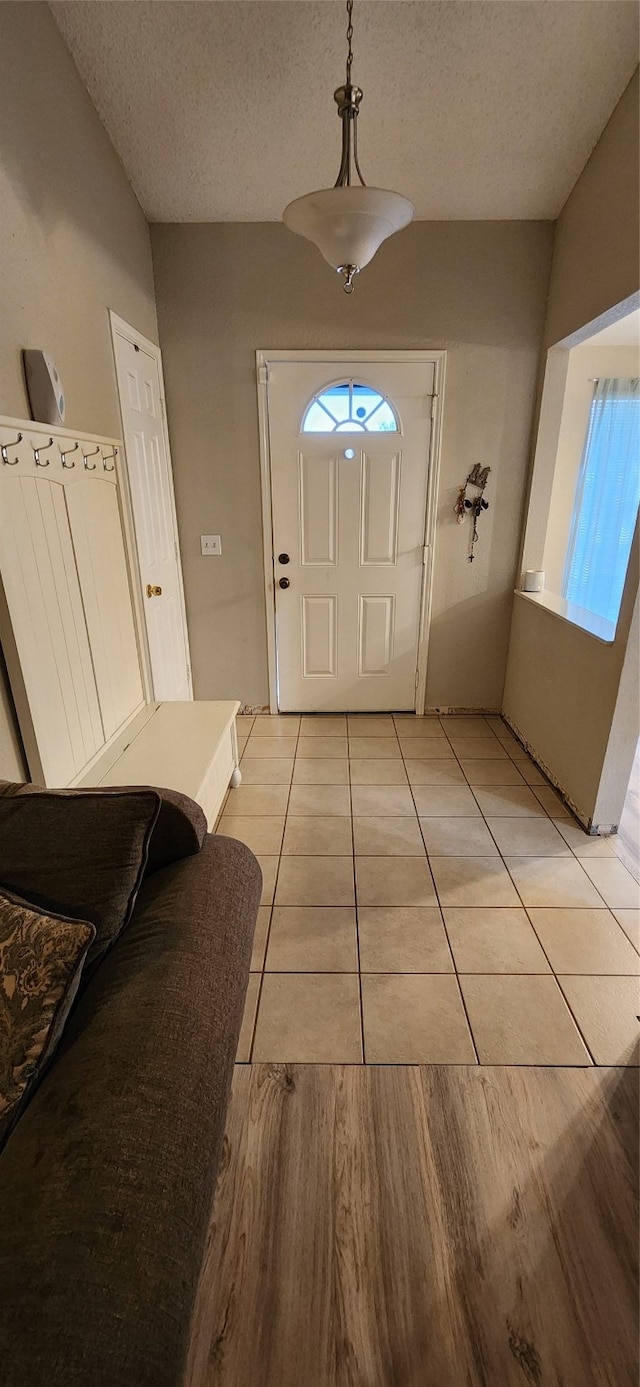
{"x": 107, "y": 1180}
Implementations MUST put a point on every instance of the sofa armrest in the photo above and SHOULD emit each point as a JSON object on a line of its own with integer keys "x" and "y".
{"x": 107, "y": 1181}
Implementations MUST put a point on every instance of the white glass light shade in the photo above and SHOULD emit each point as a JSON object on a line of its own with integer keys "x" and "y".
{"x": 348, "y": 224}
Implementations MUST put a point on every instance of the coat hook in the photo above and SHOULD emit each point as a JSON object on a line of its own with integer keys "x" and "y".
{"x": 91, "y": 468}
{"x": 5, "y": 454}
{"x": 64, "y": 454}
{"x": 39, "y": 450}
{"x": 110, "y": 457}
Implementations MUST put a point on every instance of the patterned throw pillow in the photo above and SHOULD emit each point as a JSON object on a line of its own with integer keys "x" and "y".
{"x": 41, "y": 959}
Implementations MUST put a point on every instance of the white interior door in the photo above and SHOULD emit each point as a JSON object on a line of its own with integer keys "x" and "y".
{"x": 150, "y": 485}
{"x": 349, "y": 450}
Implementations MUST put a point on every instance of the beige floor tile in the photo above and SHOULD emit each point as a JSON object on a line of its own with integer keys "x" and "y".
{"x": 315, "y": 881}
{"x": 269, "y": 771}
{"x": 257, "y": 799}
{"x": 486, "y": 940}
{"x": 493, "y": 772}
{"x": 530, "y": 773}
{"x": 606, "y": 1010}
{"x": 305, "y": 836}
{"x": 551, "y": 802}
{"x": 244, "y": 722}
{"x": 528, "y": 838}
{"x": 411, "y": 729}
{"x": 269, "y": 866}
{"x": 583, "y": 844}
{"x": 388, "y": 837}
{"x": 243, "y": 1054}
{"x": 313, "y": 939}
{"x": 321, "y": 748}
{"x": 331, "y": 772}
{"x": 478, "y": 748}
{"x": 553, "y": 881}
{"x": 262, "y": 748}
{"x": 378, "y": 725}
{"x": 473, "y": 881}
{"x": 374, "y": 748}
{"x": 324, "y": 727}
{"x": 386, "y": 800}
{"x": 584, "y": 941}
{"x": 508, "y": 801}
{"x": 261, "y": 833}
{"x": 329, "y": 801}
{"x": 370, "y": 772}
{"x": 403, "y": 940}
{"x": 616, "y": 885}
{"x": 630, "y": 921}
{"x": 276, "y": 725}
{"x": 427, "y": 748}
{"x": 394, "y": 881}
{"x": 521, "y": 1020}
{"x": 308, "y": 1018}
{"x": 456, "y": 837}
{"x": 414, "y": 1019}
{"x": 434, "y": 772}
{"x": 460, "y": 726}
{"x": 260, "y": 938}
{"x": 445, "y": 801}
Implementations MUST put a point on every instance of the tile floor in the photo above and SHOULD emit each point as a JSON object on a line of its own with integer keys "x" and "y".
{"x": 427, "y": 899}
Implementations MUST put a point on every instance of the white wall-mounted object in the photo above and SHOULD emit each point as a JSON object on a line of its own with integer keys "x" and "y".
{"x": 150, "y": 514}
{"x": 66, "y": 620}
{"x": 533, "y": 580}
{"x": 44, "y": 387}
{"x": 210, "y": 544}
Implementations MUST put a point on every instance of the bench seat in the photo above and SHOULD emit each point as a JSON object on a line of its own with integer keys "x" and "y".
{"x": 191, "y": 747}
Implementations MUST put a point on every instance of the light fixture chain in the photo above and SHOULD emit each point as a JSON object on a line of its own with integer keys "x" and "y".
{"x": 349, "y": 38}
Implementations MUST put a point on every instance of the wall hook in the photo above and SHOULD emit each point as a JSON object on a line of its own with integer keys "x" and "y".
{"x": 91, "y": 468}
{"x": 4, "y": 447}
{"x": 43, "y": 449}
{"x": 110, "y": 457}
{"x": 64, "y": 454}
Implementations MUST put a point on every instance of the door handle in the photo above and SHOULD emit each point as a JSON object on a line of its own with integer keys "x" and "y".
{"x": 284, "y": 583}
{"x": 153, "y": 590}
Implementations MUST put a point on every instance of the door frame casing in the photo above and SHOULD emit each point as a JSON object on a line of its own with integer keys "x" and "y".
{"x": 120, "y": 328}
{"x": 435, "y": 357}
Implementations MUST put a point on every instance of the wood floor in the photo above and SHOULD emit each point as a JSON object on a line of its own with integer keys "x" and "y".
{"x": 434, "y": 1226}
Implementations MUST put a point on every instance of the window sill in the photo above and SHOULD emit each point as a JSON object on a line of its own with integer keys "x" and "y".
{"x": 596, "y": 626}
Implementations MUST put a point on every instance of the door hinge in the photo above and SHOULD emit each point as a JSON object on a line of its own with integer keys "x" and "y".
{"x": 434, "y": 405}
{"x": 163, "y": 410}
{"x": 175, "y": 547}
{"x": 417, "y": 680}
{"x": 425, "y": 554}
{"x": 263, "y": 375}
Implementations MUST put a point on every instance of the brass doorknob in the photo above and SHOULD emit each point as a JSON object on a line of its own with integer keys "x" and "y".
{"x": 153, "y": 590}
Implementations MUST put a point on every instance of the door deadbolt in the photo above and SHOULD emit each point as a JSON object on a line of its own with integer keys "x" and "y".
{"x": 284, "y": 583}
{"x": 153, "y": 590}
{"x": 283, "y": 558}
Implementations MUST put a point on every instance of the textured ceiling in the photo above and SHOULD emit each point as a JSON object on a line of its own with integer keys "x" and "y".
{"x": 223, "y": 111}
{"x": 624, "y": 333}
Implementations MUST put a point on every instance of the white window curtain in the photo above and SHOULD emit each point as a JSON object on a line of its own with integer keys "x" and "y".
{"x": 607, "y": 498}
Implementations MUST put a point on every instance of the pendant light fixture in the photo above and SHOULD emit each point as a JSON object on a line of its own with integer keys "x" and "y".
{"x": 349, "y": 221}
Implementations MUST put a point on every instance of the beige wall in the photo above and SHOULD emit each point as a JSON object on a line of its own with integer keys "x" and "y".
{"x": 476, "y": 289}
{"x": 73, "y": 240}
{"x": 563, "y": 686}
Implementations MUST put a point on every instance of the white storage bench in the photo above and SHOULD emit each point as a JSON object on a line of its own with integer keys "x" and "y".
{"x": 191, "y": 747}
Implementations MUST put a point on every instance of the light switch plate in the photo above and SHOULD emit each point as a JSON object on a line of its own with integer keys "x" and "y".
{"x": 210, "y": 544}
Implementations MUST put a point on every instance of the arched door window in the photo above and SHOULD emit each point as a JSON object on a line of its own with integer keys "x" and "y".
{"x": 350, "y": 407}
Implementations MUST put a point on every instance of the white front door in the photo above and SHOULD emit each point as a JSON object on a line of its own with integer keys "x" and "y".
{"x": 349, "y": 452}
{"x": 152, "y": 502}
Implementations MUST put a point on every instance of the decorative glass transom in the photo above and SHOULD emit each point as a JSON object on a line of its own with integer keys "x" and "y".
{"x": 350, "y": 408}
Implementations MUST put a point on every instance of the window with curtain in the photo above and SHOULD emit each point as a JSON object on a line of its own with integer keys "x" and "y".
{"x": 606, "y": 502}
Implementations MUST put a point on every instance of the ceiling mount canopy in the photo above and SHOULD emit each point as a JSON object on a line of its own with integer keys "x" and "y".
{"x": 349, "y": 221}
